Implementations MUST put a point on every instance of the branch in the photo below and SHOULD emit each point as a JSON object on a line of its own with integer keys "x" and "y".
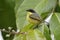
{"x": 12, "y": 32}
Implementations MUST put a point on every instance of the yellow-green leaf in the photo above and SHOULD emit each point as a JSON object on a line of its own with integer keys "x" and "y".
{"x": 40, "y": 6}
{"x": 31, "y": 35}
{"x": 55, "y": 25}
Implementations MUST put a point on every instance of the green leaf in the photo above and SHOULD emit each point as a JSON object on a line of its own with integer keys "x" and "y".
{"x": 45, "y": 30}
{"x": 45, "y": 15}
{"x": 18, "y": 3}
{"x": 21, "y": 12}
{"x": 45, "y": 6}
{"x": 31, "y": 35}
{"x": 55, "y": 25}
{"x": 27, "y": 27}
{"x": 39, "y": 6}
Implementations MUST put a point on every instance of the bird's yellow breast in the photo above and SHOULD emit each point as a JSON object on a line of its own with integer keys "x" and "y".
{"x": 30, "y": 19}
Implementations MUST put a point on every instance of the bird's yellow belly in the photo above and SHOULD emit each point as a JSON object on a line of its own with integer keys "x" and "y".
{"x": 33, "y": 21}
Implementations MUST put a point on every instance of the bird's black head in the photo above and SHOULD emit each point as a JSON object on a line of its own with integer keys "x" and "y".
{"x": 31, "y": 10}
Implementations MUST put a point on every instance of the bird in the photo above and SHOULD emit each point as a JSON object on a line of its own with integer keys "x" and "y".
{"x": 33, "y": 17}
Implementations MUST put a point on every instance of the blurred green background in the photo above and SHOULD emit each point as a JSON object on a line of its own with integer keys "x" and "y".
{"x": 13, "y": 14}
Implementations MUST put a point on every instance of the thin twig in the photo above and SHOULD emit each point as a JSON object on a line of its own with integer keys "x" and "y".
{"x": 12, "y": 32}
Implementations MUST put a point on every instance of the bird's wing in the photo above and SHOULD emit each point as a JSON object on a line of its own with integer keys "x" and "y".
{"x": 35, "y": 17}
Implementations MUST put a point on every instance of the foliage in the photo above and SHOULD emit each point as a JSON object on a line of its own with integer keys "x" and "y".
{"x": 7, "y": 16}
{"x": 13, "y": 14}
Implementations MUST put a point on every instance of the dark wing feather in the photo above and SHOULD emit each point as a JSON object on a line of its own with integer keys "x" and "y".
{"x": 35, "y": 17}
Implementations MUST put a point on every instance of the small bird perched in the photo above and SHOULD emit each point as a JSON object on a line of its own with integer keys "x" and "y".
{"x": 33, "y": 17}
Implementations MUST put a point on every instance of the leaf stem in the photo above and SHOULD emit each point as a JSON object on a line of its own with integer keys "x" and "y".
{"x": 53, "y": 10}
